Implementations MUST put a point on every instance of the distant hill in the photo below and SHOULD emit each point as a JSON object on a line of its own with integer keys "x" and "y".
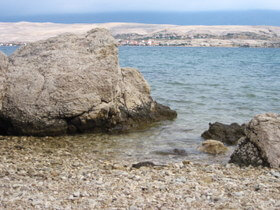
{"x": 151, "y": 34}
{"x": 251, "y": 17}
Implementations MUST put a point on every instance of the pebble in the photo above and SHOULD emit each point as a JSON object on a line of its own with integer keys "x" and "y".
{"x": 275, "y": 174}
{"x": 238, "y": 194}
{"x": 76, "y": 194}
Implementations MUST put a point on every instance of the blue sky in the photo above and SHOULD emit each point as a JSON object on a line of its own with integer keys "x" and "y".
{"x": 35, "y": 7}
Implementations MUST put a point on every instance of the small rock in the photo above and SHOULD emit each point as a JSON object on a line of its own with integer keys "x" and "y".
{"x": 186, "y": 162}
{"x": 76, "y": 194}
{"x": 180, "y": 180}
{"x": 145, "y": 163}
{"x": 257, "y": 187}
{"x": 84, "y": 194}
{"x": 71, "y": 197}
{"x": 275, "y": 174}
{"x": 133, "y": 208}
{"x": 213, "y": 147}
{"x": 238, "y": 194}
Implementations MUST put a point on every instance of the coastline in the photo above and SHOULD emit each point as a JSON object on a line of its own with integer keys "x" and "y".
{"x": 47, "y": 172}
{"x": 150, "y": 34}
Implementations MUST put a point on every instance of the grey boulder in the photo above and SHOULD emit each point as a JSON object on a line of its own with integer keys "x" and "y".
{"x": 73, "y": 83}
{"x": 261, "y": 146}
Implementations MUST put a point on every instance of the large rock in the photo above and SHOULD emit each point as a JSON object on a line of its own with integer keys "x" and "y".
{"x": 261, "y": 146}
{"x": 228, "y": 134}
{"x": 73, "y": 83}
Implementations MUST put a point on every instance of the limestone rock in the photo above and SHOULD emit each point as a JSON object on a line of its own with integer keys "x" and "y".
{"x": 73, "y": 83}
{"x": 213, "y": 147}
{"x": 228, "y": 134}
{"x": 262, "y": 143}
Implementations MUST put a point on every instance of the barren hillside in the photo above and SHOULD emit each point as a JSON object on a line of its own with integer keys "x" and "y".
{"x": 138, "y": 34}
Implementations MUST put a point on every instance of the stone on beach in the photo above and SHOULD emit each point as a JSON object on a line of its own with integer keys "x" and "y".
{"x": 228, "y": 134}
{"x": 73, "y": 84}
{"x": 261, "y": 146}
{"x": 213, "y": 147}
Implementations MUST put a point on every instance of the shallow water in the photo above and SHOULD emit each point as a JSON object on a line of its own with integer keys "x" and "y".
{"x": 203, "y": 85}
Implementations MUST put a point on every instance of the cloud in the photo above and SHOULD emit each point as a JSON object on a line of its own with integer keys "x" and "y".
{"x": 29, "y": 7}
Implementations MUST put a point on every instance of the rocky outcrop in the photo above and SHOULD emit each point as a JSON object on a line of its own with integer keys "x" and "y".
{"x": 73, "y": 83}
{"x": 228, "y": 134}
{"x": 213, "y": 147}
{"x": 261, "y": 146}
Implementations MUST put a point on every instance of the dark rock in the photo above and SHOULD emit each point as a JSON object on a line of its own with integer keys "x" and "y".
{"x": 143, "y": 164}
{"x": 247, "y": 154}
{"x": 228, "y": 134}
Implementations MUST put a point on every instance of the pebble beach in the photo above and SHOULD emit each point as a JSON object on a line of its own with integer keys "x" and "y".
{"x": 43, "y": 173}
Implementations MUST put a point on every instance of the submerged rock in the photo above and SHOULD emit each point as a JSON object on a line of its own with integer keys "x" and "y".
{"x": 73, "y": 83}
{"x": 261, "y": 146}
{"x": 177, "y": 152}
{"x": 213, "y": 147}
{"x": 228, "y": 134}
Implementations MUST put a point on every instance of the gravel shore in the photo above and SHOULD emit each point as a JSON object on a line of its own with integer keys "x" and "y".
{"x": 43, "y": 173}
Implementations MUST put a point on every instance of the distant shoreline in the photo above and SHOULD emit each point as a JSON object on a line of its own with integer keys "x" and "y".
{"x": 135, "y": 34}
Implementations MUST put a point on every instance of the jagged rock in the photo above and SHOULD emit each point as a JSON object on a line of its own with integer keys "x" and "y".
{"x": 73, "y": 83}
{"x": 247, "y": 154}
{"x": 261, "y": 146}
{"x": 228, "y": 134}
{"x": 213, "y": 147}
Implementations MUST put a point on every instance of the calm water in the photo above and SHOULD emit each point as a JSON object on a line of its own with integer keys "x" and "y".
{"x": 241, "y": 17}
{"x": 203, "y": 85}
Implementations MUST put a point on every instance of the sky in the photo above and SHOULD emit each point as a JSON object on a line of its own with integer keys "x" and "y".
{"x": 43, "y": 7}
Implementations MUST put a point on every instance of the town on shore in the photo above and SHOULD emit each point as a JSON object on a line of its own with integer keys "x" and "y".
{"x": 136, "y": 34}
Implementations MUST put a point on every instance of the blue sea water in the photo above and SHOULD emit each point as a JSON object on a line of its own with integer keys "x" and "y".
{"x": 203, "y": 85}
{"x": 8, "y": 50}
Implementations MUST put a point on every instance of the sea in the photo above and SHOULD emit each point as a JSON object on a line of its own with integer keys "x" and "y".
{"x": 204, "y": 85}
{"x": 230, "y": 17}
